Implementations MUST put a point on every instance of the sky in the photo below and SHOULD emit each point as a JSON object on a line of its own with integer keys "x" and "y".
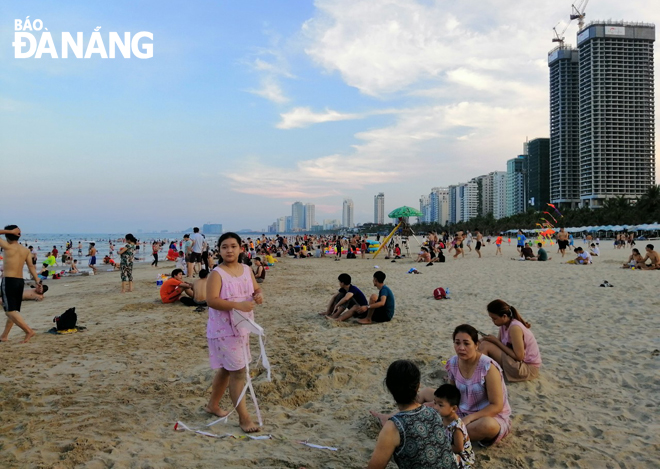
{"x": 248, "y": 106}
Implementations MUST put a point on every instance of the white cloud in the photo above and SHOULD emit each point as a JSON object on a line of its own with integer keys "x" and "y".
{"x": 270, "y": 90}
{"x": 304, "y": 117}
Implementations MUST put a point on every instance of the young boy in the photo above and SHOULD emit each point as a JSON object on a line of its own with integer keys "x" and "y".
{"x": 447, "y": 398}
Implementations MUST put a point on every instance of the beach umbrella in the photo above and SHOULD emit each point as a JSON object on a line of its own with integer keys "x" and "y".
{"x": 405, "y": 212}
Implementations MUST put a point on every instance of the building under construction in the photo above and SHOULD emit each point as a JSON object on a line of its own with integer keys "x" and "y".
{"x": 602, "y": 122}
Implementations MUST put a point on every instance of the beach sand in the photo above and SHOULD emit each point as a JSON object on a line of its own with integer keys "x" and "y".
{"x": 110, "y": 396}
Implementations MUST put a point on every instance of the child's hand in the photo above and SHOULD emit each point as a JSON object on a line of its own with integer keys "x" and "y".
{"x": 258, "y": 298}
{"x": 245, "y": 306}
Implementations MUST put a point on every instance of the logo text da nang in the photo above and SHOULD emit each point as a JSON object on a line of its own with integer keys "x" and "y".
{"x": 27, "y": 45}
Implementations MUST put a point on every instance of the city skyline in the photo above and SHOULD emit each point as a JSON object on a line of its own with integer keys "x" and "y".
{"x": 245, "y": 109}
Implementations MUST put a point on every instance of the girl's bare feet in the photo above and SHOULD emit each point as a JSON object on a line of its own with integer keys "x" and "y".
{"x": 216, "y": 410}
{"x": 249, "y": 426}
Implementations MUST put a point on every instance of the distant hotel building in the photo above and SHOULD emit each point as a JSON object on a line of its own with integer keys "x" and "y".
{"x": 348, "y": 214}
{"x": 310, "y": 216}
{"x": 515, "y": 191}
{"x": 379, "y": 208}
{"x": 212, "y": 228}
{"x": 297, "y": 216}
{"x": 602, "y": 122}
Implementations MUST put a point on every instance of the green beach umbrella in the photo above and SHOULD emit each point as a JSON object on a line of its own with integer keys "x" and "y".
{"x": 405, "y": 212}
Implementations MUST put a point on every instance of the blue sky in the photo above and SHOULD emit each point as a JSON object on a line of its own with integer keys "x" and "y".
{"x": 248, "y": 106}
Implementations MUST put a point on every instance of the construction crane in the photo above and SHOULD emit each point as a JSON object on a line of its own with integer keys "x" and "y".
{"x": 559, "y": 37}
{"x": 579, "y": 13}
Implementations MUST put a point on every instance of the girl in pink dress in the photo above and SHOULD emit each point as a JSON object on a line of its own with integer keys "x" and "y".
{"x": 515, "y": 348}
{"x": 230, "y": 286}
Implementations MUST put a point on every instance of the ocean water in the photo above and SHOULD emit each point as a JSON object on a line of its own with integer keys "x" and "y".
{"x": 44, "y": 242}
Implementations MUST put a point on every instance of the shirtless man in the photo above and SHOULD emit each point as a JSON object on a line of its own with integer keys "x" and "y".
{"x": 92, "y": 256}
{"x": 562, "y": 241}
{"x": 653, "y": 256}
{"x": 480, "y": 238}
{"x": 15, "y": 255}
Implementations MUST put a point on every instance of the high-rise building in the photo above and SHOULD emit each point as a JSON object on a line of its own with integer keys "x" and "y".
{"x": 298, "y": 216}
{"x": 538, "y": 173}
{"x": 310, "y": 216}
{"x": 439, "y": 201}
{"x": 425, "y": 208}
{"x": 515, "y": 191}
{"x": 281, "y": 225}
{"x": 288, "y": 222}
{"x": 617, "y": 122}
{"x": 379, "y": 208}
{"x": 348, "y": 214}
{"x": 499, "y": 186}
{"x": 470, "y": 199}
{"x": 455, "y": 212}
{"x": 564, "y": 126}
{"x": 602, "y": 122}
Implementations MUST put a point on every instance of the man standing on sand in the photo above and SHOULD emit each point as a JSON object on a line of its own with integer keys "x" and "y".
{"x": 197, "y": 248}
{"x": 15, "y": 255}
{"x": 562, "y": 241}
{"x": 187, "y": 254}
{"x": 92, "y": 256}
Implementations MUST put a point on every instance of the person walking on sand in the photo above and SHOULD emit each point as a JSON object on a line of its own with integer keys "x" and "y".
{"x": 92, "y": 256}
{"x": 231, "y": 286}
{"x": 11, "y": 287}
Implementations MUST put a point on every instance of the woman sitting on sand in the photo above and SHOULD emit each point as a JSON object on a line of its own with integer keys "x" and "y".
{"x": 484, "y": 406}
{"x": 635, "y": 260}
{"x": 515, "y": 348}
{"x": 415, "y": 435}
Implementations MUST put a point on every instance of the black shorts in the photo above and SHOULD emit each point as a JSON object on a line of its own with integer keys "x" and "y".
{"x": 195, "y": 257}
{"x": 380, "y": 315}
{"x": 563, "y": 244}
{"x": 12, "y": 293}
{"x": 478, "y": 246}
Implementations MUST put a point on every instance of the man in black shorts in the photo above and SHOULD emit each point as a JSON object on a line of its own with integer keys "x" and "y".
{"x": 11, "y": 287}
{"x": 562, "y": 241}
{"x": 347, "y": 301}
{"x": 480, "y": 238}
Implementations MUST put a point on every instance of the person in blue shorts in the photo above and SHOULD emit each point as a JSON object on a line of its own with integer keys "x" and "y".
{"x": 381, "y": 305}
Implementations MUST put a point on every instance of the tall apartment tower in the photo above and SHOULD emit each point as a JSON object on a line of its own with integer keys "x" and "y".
{"x": 602, "y": 116}
{"x": 617, "y": 121}
{"x": 310, "y": 216}
{"x": 298, "y": 216}
{"x": 348, "y": 214}
{"x": 538, "y": 173}
{"x": 515, "y": 191}
{"x": 379, "y": 208}
{"x": 499, "y": 185}
{"x": 564, "y": 127}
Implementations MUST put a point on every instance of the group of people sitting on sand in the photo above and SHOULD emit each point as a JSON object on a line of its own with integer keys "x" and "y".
{"x": 636, "y": 261}
{"x": 350, "y": 302}
{"x": 436, "y": 427}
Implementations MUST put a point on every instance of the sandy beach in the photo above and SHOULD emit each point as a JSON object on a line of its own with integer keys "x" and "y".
{"x": 110, "y": 396}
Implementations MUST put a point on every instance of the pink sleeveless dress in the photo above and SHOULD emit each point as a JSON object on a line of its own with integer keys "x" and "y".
{"x": 227, "y": 345}
{"x": 474, "y": 396}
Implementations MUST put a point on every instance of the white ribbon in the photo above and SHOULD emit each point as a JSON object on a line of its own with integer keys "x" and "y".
{"x": 240, "y": 321}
